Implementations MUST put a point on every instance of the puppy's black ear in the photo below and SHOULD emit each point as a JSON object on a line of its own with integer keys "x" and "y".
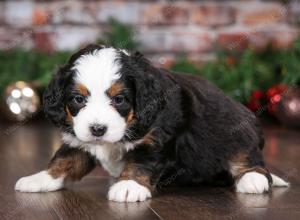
{"x": 148, "y": 91}
{"x": 54, "y": 97}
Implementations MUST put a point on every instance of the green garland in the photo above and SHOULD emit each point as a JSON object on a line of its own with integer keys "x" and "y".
{"x": 19, "y": 64}
{"x": 240, "y": 74}
{"x": 120, "y": 36}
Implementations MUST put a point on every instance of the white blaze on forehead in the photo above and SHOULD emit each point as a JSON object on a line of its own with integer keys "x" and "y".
{"x": 98, "y": 69}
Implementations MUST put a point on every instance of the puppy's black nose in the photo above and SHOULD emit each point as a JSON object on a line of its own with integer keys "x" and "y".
{"x": 98, "y": 130}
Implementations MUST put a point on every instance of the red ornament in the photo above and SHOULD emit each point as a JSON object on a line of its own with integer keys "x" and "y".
{"x": 274, "y": 96}
{"x": 288, "y": 109}
{"x": 256, "y": 101}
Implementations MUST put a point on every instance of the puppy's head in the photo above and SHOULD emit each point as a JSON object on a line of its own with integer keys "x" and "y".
{"x": 102, "y": 95}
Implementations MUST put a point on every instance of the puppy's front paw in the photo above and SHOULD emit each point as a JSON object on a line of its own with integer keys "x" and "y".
{"x": 252, "y": 182}
{"x": 40, "y": 182}
{"x": 128, "y": 191}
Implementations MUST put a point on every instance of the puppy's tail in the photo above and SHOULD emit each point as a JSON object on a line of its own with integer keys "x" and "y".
{"x": 277, "y": 181}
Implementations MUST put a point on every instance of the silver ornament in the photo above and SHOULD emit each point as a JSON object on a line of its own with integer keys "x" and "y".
{"x": 22, "y": 100}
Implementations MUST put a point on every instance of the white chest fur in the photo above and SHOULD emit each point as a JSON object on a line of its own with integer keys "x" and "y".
{"x": 109, "y": 155}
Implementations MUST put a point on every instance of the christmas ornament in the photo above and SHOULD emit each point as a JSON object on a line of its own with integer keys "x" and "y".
{"x": 288, "y": 108}
{"x": 274, "y": 96}
{"x": 22, "y": 100}
{"x": 256, "y": 101}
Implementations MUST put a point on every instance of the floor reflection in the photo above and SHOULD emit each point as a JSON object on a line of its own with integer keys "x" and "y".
{"x": 130, "y": 210}
{"x": 261, "y": 201}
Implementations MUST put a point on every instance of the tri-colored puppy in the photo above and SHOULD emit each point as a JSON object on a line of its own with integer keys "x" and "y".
{"x": 145, "y": 125}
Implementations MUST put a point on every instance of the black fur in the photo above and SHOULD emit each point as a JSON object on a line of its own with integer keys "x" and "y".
{"x": 196, "y": 128}
{"x": 55, "y": 96}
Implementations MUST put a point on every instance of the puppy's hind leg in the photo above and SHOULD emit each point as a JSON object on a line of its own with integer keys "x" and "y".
{"x": 249, "y": 174}
{"x": 250, "y": 178}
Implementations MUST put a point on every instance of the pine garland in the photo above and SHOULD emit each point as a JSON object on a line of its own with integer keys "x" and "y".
{"x": 22, "y": 65}
{"x": 240, "y": 74}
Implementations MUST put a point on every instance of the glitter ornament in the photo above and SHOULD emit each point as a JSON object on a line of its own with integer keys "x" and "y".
{"x": 22, "y": 100}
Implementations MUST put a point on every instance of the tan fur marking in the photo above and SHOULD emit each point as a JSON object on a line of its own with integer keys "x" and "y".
{"x": 69, "y": 116}
{"x": 60, "y": 167}
{"x": 74, "y": 166}
{"x": 82, "y": 90}
{"x": 254, "y": 169}
{"x": 260, "y": 170}
{"x": 239, "y": 166}
{"x": 131, "y": 172}
{"x": 149, "y": 138}
{"x": 115, "y": 89}
{"x": 130, "y": 117}
{"x": 238, "y": 163}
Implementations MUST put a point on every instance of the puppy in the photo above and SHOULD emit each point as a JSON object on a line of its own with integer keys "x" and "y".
{"x": 149, "y": 128}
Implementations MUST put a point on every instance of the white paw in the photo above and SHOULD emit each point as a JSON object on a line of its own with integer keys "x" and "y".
{"x": 128, "y": 191}
{"x": 252, "y": 182}
{"x": 39, "y": 182}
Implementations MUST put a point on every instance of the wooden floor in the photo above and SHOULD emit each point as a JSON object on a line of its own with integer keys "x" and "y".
{"x": 26, "y": 149}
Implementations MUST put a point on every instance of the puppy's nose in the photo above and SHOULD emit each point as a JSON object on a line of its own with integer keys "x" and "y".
{"x": 98, "y": 130}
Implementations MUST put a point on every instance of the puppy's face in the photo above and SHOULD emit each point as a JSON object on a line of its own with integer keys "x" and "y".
{"x": 96, "y": 99}
{"x": 102, "y": 96}
{"x": 99, "y": 103}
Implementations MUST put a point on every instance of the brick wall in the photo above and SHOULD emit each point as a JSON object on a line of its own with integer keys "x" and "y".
{"x": 165, "y": 28}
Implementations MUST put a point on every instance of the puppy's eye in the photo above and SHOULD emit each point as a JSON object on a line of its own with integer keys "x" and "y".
{"x": 118, "y": 100}
{"x": 79, "y": 99}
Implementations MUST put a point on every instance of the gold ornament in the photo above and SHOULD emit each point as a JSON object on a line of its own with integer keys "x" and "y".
{"x": 22, "y": 100}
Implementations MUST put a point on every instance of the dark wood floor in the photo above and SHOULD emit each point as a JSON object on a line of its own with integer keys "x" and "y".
{"x": 26, "y": 149}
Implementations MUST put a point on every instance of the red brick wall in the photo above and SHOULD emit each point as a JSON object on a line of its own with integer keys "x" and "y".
{"x": 165, "y": 28}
